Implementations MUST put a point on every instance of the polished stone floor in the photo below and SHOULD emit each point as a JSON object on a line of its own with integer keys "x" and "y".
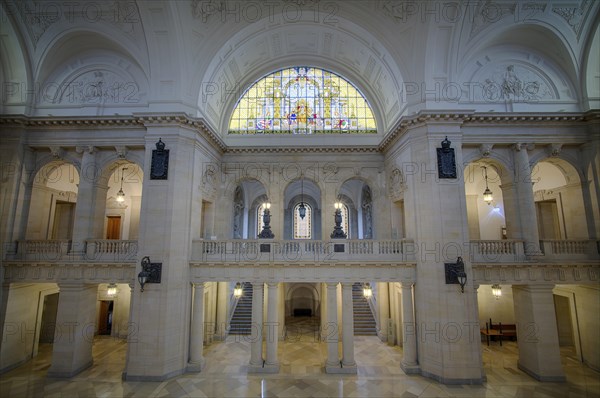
{"x": 301, "y": 356}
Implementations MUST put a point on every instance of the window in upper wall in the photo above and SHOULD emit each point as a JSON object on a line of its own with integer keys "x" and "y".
{"x": 345, "y": 222}
{"x": 302, "y": 100}
{"x": 303, "y": 226}
{"x": 260, "y": 211}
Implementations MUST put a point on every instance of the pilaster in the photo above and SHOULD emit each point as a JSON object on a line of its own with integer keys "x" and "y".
{"x": 539, "y": 350}
{"x": 75, "y": 329}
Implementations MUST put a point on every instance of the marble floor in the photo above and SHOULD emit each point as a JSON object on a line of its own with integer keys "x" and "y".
{"x": 301, "y": 356}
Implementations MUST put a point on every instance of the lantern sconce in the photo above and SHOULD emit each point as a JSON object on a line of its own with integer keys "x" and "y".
{"x": 151, "y": 272}
{"x": 496, "y": 291}
{"x": 455, "y": 273}
{"x": 237, "y": 290}
{"x": 367, "y": 290}
{"x": 111, "y": 290}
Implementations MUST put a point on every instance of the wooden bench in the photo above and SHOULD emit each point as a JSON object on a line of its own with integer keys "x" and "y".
{"x": 487, "y": 332}
{"x": 507, "y": 329}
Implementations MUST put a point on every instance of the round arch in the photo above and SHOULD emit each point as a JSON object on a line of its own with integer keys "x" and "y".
{"x": 237, "y": 69}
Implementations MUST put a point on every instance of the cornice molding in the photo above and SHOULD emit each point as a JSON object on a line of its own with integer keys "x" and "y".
{"x": 144, "y": 120}
{"x": 472, "y": 118}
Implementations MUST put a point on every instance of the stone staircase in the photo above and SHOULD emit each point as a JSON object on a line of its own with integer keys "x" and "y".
{"x": 242, "y": 316}
{"x": 364, "y": 322}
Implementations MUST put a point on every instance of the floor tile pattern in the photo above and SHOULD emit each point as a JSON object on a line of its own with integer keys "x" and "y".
{"x": 301, "y": 375}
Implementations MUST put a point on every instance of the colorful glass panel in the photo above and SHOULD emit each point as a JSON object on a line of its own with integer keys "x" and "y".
{"x": 302, "y": 100}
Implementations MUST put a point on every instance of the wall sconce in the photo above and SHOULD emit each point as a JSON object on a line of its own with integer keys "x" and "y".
{"x": 121, "y": 194}
{"x": 266, "y": 232}
{"x": 111, "y": 290}
{"x": 496, "y": 291}
{"x": 367, "y": 290}
{"x": 487, "y": 194}
{"x": 455, "y": 273}
{"x": 151, "y": 272}
{"x": 237, "y": 290}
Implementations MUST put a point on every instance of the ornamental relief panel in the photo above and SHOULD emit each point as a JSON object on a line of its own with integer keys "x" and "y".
{"x": 98, "y": 87}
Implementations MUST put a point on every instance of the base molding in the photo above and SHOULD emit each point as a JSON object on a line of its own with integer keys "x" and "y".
{"x": 341, "y": 369}
{"x": 554, "y": 379}
{"x": 195, "y": 367}
{"x": 68, "y": 374}
{"x": 451, "y": 381}
{"x": 410, "y": 369}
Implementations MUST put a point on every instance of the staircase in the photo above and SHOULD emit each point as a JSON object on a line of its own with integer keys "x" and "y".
{"x": 364, "y": 323}
{"x": 241, "y": 320}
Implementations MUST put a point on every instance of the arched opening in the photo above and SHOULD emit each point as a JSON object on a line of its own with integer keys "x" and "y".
{"x": 248, "y": 199}
{"x": 53, "y": 201}
{"x": 123, "y": 201}
{"x": 306, "y": 192}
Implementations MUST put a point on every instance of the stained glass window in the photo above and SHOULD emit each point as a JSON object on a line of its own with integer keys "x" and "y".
{"x": 303, "y": 226}
{"x": 302, "y": 100}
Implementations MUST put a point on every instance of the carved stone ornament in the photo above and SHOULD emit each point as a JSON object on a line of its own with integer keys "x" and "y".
{"x": 555, "y": 149}
{"x": 485, "y": 149}
{"x": 446, "y": 160}
{"x": 159, "y": 168}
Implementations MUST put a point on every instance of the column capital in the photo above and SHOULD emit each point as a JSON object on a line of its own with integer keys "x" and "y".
{"x": 272, "y": 285}
{"x": 85, "y": 149}
{"x": 407, "y": 284}
{"x": 347, "y": 284}
{"x": 331, "y": 285}
{"x": 198, "y": 284}
{"x": 519, "y": 146}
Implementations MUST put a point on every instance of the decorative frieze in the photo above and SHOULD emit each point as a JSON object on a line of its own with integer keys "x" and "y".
{"x": 22, "y": 272}
{"x": 519, "y": 274}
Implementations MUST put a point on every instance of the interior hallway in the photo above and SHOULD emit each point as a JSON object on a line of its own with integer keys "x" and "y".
{"x": 301, "y": 357}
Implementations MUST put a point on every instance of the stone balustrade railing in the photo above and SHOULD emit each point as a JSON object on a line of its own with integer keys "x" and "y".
{"x": 506, "y": 250}
{"x": 584, "y": 249}
{"x": 303, "y": 251}
{"x": 96, "y": 250}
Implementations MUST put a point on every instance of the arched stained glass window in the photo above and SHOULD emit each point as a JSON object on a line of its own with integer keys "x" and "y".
{"x": 302, "y": 100}
{"x": 303, "y": 226}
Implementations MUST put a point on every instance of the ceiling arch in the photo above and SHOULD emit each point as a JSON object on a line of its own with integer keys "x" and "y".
{"x": 254, "y": 52}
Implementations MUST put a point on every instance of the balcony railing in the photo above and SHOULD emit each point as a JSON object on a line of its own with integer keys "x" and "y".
{"x": 497, "y": 250}
{"x": 561, "y": 249}
{"x": 100, "y": 250}
{"x": 303, "y": 251}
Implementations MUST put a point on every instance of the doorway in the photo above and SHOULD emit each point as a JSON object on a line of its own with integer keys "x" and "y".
{"x": 548, "y": 223}
{"x": 64, "y": 216}
{"x": 105, "y": 317}
{"x": 113, "y": 227}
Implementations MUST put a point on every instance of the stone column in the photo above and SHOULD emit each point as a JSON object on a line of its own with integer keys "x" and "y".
{"x": 196, "y": 361}
{"x": 525, "y": 201}
{"x": 271, "y": 363}
{"x": 256, "y": 339}
{"x": 409, "y": 331}
{"x": 75, "y": 329}
{"x": 539, "y": 352}
{"x": 332, "y": 365}
{"x": 348, "y": 363}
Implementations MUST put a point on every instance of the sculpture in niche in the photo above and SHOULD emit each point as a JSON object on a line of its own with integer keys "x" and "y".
{"x": 99, "y": 87}
{"x": 515, "y": 83}
{"x": 238, "y": 213}
{"x": 367, "y": 207}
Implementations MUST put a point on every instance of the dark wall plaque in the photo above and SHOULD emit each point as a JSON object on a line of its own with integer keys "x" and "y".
{"x": 338, "y": 248}
{"x": 159, "y": 169}
{"x": 265, "y": 248}
{"x": 446, "y": 160}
